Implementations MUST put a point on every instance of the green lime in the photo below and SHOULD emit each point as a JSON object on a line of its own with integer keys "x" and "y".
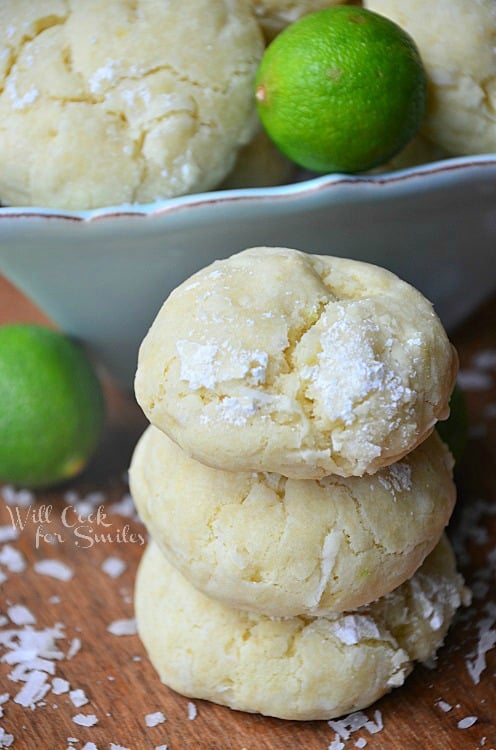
{"x": 341, "y": 90}
{"x": 454, "y": 431}
{"x": 52, "y": 406}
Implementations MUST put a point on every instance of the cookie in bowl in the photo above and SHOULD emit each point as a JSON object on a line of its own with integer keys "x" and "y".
{"x": 457, "y": 48}
{"x": 105, "y": 103}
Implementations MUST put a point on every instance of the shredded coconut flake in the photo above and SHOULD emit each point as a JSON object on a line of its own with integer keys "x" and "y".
{"x": 8, "y": 534}
{"x": 152, "y": 720}
{"x": 6, "y": 740}
{"x": 74, "y": 648}
{"x": 351, "y": 629}
{"x": 113, "y": 566}
{"x": 54, "y": 568}
{"x": 486, "y": 628}
{"x": 485, "y": 359}
{"x": 122, "y": 627}
{"x": 397, "y": 477}
{"x": 12, "y": 559}
{"x": 60, "y": 686}
{"x": 12, "y": 496}
{"x": 474, "y": 380}
{"x": 125, "y": 507}
{"x": 85, "y": 720}
{"x": 192, "y": 711}
{"x": 467, "y": 722}
{"x": 78, "y": 697}
{"x": 376, "y": 725}
{"x": 20, "y": 615}
{"x": 34, "y": 690}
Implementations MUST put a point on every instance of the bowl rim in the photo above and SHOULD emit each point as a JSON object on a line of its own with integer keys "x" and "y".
{"x": 416, "y": 178}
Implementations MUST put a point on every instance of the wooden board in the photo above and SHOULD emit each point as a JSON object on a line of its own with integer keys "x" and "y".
{"x": 429, "y": 711}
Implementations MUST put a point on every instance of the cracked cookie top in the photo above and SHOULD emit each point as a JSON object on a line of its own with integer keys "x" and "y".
{"x": 106, "y": 102}
{"x": 304, "y": 365}
{"x": 285, "y": 547}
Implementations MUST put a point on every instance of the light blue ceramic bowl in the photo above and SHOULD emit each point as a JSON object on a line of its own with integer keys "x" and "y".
{"x": 103, "y": 274}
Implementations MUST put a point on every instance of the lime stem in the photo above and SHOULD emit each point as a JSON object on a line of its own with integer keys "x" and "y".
{"x": 260, "y": 93}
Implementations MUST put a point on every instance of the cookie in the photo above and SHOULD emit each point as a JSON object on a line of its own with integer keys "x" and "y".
{"x": 275, "y": 15}
{"x": 459, "y": 54}
{"x": 107, "y": 102}
{"x": 259, "y": 164}
{"x": 286, "y": 546}
{"x": 302, "y": 365}
{"x": 292, "y": 668}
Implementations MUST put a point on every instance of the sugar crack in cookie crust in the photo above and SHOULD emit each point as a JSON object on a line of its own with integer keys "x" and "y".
{"x": 304, "y": 365}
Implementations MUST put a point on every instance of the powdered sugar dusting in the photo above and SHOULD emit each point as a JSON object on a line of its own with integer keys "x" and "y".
{"x": 197, "y": 364}
{"x": 105, "y": 74}
{"x": 206, "y": 365}
{"x": 349, "y": 370}
{"x": 21, "y": 101}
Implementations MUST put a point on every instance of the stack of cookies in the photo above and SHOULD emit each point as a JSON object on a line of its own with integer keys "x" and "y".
{"x": 293, "y": 485}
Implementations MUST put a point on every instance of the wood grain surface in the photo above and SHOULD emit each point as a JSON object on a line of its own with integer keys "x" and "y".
{"x": 448, "y": 706}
